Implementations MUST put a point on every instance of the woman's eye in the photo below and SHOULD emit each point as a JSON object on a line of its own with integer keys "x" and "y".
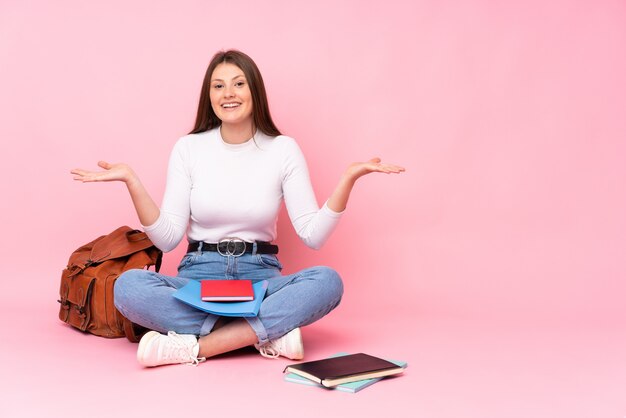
{"x": 217, "y": 86}
{"x": 240, "y": 84}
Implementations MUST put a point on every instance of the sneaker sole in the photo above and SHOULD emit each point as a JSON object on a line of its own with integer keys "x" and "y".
{"x": 145, "y": 342}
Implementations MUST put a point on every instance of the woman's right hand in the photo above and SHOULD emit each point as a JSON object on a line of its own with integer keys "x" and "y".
{"x": 112, "y": 172}
{"x": 147, "y": 210}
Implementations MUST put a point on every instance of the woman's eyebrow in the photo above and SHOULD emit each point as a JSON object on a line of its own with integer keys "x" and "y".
{"x": 234, "y": 78}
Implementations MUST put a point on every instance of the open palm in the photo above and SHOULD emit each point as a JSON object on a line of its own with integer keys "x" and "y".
{"x": 111, "y": 172}
{"x": 359, "y": 169}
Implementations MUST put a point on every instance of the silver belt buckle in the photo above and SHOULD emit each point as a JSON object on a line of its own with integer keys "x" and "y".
{"x": 228, "y": 247}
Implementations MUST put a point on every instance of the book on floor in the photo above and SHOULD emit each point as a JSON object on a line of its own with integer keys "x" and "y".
{"x": 190, "y": 294}
{"x": 226, "y": 290}
{"x": 335, "y": 371}
{"x": 351, "y": 387}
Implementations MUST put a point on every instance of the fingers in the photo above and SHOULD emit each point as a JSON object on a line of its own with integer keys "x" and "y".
{"x": 391, "y": 168}
{"x": 82, "y": 175}
{"x": 377, "y": 165}
{"x": 79, "y": 174}
{"x": 89, "y": 176}
{"x": 386, "y": 169}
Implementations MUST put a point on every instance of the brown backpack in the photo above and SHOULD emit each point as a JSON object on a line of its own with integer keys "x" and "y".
{"x": 87, "y": 282}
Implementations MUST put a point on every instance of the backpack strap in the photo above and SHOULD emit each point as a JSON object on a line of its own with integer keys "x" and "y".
{"x": 157, "y": 263}
{"x": 119, "y": 243}
{"x": 136, "y": 235}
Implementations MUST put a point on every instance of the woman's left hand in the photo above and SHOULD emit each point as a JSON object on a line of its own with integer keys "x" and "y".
{"x": 356, "y": 170}
{"x": 339, "y": 199}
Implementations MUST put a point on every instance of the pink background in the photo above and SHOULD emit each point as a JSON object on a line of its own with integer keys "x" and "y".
{"x": 494, "y": 265}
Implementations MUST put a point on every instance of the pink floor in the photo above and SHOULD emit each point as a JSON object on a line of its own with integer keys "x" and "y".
{"x": 494, "y": 265}
{"x": 457, "y": 368}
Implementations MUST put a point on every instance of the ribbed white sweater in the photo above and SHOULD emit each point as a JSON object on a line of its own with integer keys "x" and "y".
{"x": 217, "y": 190}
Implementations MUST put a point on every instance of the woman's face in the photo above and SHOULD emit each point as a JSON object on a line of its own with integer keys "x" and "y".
{"x": 230, "y": 95}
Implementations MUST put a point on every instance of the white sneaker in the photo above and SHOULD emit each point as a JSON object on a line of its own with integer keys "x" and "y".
{"x": 156, "y": 349}
{"x": 289, "y": 345}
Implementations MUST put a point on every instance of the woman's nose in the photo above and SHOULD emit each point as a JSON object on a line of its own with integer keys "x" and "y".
{"x": 228, "y": 91}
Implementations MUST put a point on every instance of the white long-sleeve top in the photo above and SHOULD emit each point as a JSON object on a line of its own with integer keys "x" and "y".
{"x": 217, "y": 190}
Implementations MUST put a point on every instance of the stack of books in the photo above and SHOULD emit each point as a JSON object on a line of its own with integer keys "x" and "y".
{"x": 344, "y": 372}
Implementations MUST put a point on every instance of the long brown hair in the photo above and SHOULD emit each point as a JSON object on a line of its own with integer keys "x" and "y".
{"x": 261, "y": 118}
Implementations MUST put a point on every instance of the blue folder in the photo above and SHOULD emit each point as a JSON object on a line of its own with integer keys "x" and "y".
{"x": 190, "y": 294}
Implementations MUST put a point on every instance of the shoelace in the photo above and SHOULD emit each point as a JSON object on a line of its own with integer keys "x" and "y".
{"x": 179, "y": 348}
{"x": 268, "y": 351}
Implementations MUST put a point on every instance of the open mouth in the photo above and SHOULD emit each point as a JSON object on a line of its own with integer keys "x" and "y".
{"x": 230, "y": 105}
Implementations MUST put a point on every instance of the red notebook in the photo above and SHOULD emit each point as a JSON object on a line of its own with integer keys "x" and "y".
{"x": 226, "y": 290}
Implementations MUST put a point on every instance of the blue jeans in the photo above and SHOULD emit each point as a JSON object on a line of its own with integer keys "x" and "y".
{"x": 291, "y": 301}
